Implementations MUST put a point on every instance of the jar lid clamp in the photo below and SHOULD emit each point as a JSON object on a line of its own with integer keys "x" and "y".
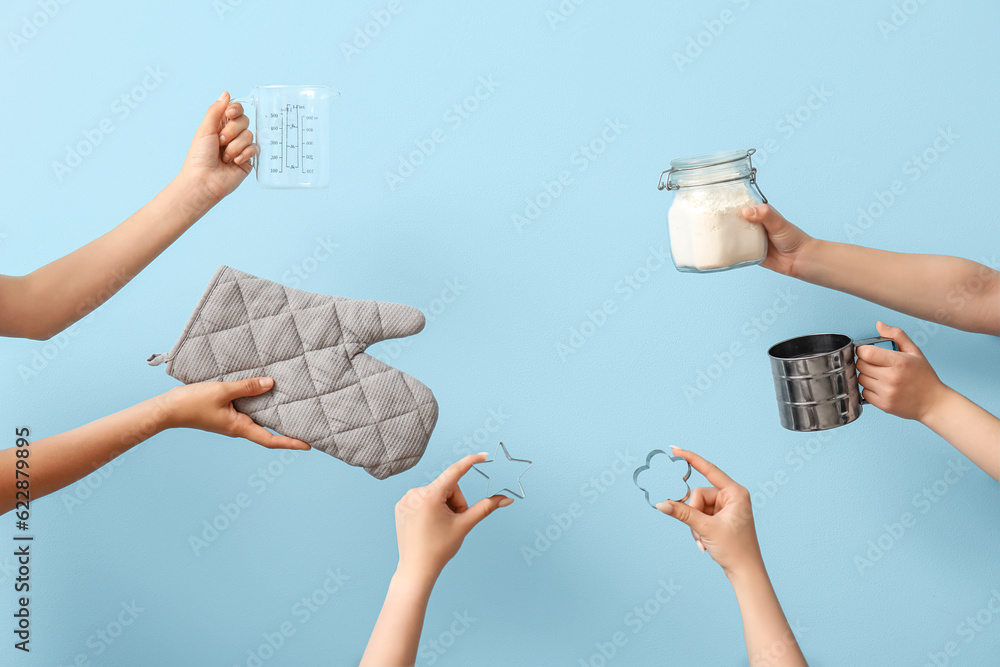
{"x": 670, "y": 185}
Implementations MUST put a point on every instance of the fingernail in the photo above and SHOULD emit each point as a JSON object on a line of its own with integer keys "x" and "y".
{"x": 266, "y": 382}
{"x": 238, "y": 160}
{"x": 225, "y": 158}
{"x": 749, "y": 212}
{"x": 674, "y": 449}
{"x": 506, "y": 501}
{"x": 221, "y": 97}
{"x": 222, "y": 137}
{"x": 701, "y": 546}
{"x": 483, "y": 454}
{"x": 665, "y": 507}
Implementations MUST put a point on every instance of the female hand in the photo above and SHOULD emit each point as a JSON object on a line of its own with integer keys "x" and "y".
{"x": 219, "y": 157}
{"x": 785, "y": 241}
{"x": 720, "y": 517}
{"x": 432, "y": 521}
{"x": 901, "y": 383}
{"x": 209, "y": 406}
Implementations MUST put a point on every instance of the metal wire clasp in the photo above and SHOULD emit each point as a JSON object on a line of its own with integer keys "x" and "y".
{"x": 670, "y": 185}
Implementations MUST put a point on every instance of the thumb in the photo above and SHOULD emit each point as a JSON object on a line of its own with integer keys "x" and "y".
{"x": 696, "y": 519}
{"x": 903, "y": 341}
{"x": 783, "y": 234}
{"x": 773, "y": 222}
{"x": 399, "y": 320}
{"x": 374, "y": 321}
{"x": 248, "y": 387}
{"x": 472, "y": 516}
{"x": 212, "y": 123}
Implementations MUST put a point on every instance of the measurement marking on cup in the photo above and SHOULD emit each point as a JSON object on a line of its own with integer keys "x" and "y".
{"x": 291, "y": 112}
{"x": 292, "y": 128}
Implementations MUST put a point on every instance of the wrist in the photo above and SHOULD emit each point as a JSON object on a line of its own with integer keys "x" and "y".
{"x": 143, "y": 421}
{"x": 191, "y": 194}
{"x": 747, "y": 573}
{"x": 412, "y": 582}
{"x": 802, "y": 262}
{"x": 165, "y": 411}
{"x": 933, "y": 412}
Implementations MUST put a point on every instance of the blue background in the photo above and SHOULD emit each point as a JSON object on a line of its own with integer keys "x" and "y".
{"x": 495, "y": 347}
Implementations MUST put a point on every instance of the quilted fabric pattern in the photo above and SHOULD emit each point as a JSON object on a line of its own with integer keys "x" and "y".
{"x": 326, "y": 392}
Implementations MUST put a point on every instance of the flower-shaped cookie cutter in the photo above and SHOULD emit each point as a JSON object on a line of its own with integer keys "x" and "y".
{"x": 643, "y": 468}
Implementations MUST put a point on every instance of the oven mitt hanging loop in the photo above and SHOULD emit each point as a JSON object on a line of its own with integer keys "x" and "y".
{"x": 327, "y": 391}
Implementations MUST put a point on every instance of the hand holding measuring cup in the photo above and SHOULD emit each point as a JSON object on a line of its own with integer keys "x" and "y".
{"x": 220, "y": 154}
{"x": 292, "y": 125}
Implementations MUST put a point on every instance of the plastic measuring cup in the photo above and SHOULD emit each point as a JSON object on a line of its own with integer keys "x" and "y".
{"x": 292, "y": 133}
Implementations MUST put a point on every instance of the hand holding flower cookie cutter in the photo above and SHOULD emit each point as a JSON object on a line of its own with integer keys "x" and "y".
{"x": 644, "y": 468}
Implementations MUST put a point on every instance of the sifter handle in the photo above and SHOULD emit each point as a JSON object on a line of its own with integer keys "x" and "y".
{"x": 874, "y": 341}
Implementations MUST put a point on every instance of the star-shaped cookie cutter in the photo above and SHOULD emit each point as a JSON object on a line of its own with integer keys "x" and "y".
{"x": 509, "y": 458}
{"x": 643, "y": 468}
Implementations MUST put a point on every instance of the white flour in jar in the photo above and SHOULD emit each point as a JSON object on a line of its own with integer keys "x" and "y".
{"x": 707, "y": 230}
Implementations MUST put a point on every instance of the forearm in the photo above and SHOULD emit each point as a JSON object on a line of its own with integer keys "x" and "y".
{"x": 58, "y": 294}
{"x": 396, "y": 636}
{"x": 769, "y": 639}
{"x": 59, "y": 460}
{"x": 949, "y": 290}
{"x": 968, "y": 427}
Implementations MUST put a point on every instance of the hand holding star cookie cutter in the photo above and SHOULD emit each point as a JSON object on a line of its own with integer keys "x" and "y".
{"x": 644, "y": 468}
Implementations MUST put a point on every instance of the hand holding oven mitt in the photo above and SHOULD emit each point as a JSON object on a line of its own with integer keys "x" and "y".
{"x": 326, "y": 392}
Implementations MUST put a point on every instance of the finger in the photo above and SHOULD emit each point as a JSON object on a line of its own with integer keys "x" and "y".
{"x": 876, "y": 356}
{"x": 213, "y": 117}
{"x": 903, "y": 341}
{"x": 866, "y": 368}
{"x": 754, "y": 213}
{"x": 871, "y": 396}
{"x": 234, "y": 110}
{"x": 712, "y": 473}
{"x": 685, "y": 514}
{"x": 703, "y": 499}
{"x": 697, "y": 501}
{"x": 254, "y": 432}
{"x": 766, "y": 215}
{"x": 233, "y": 129}
{"x": 472, "y": 516}
{"x": 449, "y": 478}
{"x": 456, "y": 500}
{"x": 868, "y": 382}
{"x": 248, "y": 387}
{"x": 237, "y": 145}
{"x": 244, "y": 157}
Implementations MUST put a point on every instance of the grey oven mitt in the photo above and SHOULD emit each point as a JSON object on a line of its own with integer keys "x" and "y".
{"x": 327, "y": 392}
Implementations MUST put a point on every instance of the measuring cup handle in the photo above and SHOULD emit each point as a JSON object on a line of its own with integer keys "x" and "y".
{"x": 874, "y": 341}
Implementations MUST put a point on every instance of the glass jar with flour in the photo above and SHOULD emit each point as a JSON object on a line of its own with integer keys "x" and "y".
{"x": 707, "y": 232}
